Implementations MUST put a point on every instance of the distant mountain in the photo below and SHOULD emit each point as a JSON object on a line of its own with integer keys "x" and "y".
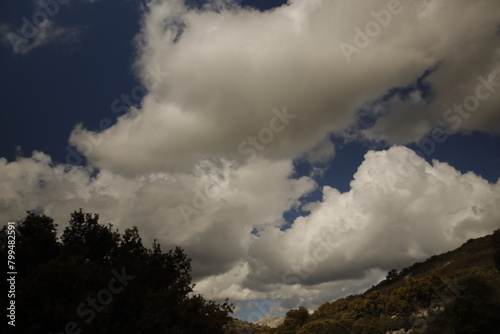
{"x": 455, "y": 292}
{"x": 237, "y": 326}
{"x": 270, "y": 321}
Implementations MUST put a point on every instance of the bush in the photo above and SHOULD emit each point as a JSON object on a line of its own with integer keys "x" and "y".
{"x": 325, "y": 326}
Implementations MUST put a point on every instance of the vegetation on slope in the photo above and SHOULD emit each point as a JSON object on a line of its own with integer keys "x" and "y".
{"x": 456, "y": 292}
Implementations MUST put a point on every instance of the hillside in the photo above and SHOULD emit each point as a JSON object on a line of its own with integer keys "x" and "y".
{"x": 474, "y": 253}
{"x": 237, "y": 326}
{"x": 455, "y": 292}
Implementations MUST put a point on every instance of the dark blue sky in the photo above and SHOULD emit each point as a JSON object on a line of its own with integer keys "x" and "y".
{"x": 48, "y": 91}
{"x": 54, "y": 87}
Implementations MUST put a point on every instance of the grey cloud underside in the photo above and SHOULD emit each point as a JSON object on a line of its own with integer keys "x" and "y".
{"x": 400, "y": 210}
{"x": 224, "y": 79}
{"x": 228, "y": 70}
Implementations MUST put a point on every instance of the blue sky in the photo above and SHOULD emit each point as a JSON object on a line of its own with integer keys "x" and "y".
{"x": 231, "y": 70}
{"x": 58, "y": 86}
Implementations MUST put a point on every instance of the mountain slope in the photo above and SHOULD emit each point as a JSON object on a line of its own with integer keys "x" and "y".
{"x": 474, "y": 253}
{"x": 455, "y": 292}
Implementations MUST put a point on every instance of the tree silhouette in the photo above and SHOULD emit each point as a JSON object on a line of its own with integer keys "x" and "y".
{"x": 96, "y": 280}
{"x": 392, "y": 275}
{"x": 294, "y": 320}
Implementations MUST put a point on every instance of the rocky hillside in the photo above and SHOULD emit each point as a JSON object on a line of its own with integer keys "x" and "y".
{"x": 455, "y": 292}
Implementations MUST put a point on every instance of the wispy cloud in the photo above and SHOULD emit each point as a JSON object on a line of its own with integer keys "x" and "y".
{"x": 39, "y": 28}
{"x": 45, "y": 34}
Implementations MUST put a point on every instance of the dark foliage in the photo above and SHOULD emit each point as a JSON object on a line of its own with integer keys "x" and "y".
{"x": 496, "y": 247}
{"x": 96, "y": 280}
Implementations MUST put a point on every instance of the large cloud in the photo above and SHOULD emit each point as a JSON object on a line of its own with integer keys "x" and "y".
{"x": 235, "y": 95}
{"x": 229, "y": 68}
{"x": 215, "y": 207}
{"x": 400, "y": 209}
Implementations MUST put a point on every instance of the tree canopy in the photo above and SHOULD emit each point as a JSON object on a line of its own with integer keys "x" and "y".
{"x": 95, "y": 280}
